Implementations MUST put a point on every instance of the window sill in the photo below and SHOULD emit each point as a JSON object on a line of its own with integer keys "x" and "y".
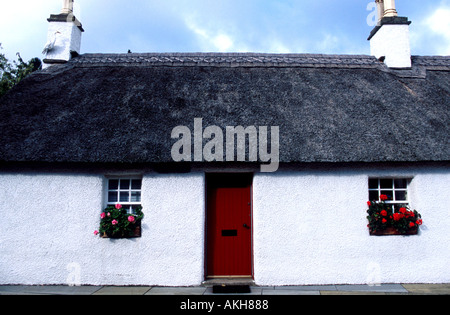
{"x": 393, "y": 231}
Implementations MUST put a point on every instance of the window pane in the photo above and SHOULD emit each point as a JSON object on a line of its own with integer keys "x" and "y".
{"x": 125, "y": 184}
{"x": 388, "y": 193}
{"x": 400, "y": 195}
{"x": 400, "y": 183}
{"x": 128, "y": 208}
{"x": 124, "y": 196}
{"x": 373, "y": 195}
{"x": 112, "y": 196}
{"x": 373, "y": 183}
{"x": 135, "y": 196}
{"x": 113, "y": 184}
{"x": 134, "y": 207}
{"x": 385, "y": 183}
{"x": 136, "y": 184}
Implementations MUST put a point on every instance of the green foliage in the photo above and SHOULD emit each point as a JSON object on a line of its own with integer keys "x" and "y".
{"x": 13, "y": 73}
{"x": 116, "y": 222}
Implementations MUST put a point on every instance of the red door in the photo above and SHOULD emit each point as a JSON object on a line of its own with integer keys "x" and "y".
{"x": 229, "y": 221}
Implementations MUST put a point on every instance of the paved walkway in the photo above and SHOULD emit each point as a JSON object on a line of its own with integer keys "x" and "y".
{"x": 384, "y": 289}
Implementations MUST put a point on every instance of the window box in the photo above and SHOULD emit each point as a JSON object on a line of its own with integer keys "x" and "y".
{"x": 393, "y": 231}
{"x": 383, "y": 221}
{"x": 116, "y": 222}
{"x": 136, "y": 232}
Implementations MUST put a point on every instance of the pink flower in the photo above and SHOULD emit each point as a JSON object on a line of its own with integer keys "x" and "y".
{"x": 114, "y": 222}
{"x": 95, "y": 232}
{"x": 118, "y": 206}
{"x": 109, "y": 214}
{"x": 103, "y": 215}
{"x": 131, "y": 218}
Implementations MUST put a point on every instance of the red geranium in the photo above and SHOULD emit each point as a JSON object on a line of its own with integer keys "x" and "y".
{"x": 383, "y": 216}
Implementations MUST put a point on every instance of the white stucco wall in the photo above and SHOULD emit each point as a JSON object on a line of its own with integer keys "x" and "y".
{"x": 318, "y": 233}
{"x": 68, "y": 39}
{"x": 309, "y": 227}
{"x": 48, "y": 220}
{"x": 392, "y": 42}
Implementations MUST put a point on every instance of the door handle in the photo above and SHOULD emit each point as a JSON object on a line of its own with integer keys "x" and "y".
{"x": 246, "y": 226}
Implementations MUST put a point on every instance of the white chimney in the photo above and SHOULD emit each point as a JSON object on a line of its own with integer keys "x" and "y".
{"x": 63, "y": 37}
{"x": 389, "y": 40}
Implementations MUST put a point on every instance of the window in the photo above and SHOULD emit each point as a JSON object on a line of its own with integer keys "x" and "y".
{"x": 126, "y": 191}
{"x": 396, "y": 190}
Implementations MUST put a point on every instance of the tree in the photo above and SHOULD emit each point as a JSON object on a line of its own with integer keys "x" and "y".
{"x": 13, "y": 73}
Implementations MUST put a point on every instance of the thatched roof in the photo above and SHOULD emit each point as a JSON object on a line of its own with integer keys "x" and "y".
{"x": 121, "y": 108}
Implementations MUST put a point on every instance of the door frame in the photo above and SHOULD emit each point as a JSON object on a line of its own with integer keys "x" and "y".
{"x": 208, "y": 177}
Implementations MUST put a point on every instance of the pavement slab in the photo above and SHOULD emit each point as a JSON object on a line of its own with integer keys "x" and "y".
{"x": 393, "y": 288}
{"x": 176, "y": 291}
{"x": 437, "y": 289}
{"x": 112, "y": 290}
{"x": 49, "y": 290}
{"x": 308, "y": 288}
{"x": 383, "y": 289}
{"x": 289, "y": 292}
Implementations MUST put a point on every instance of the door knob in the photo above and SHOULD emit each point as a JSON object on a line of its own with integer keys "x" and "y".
{"x": 246, "y": 226}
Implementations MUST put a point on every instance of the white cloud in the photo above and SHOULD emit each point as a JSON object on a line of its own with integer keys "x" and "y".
{"x": 23, "y": 26}
{"x": 439, "y": 23}
{"x": 222, "y": 42}
{"x": 431, "y": 34}
{"x": 222, "y": 25}
{"x": 211, "y": 39}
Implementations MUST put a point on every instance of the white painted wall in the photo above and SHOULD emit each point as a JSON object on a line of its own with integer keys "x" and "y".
{"x": 318, "y": 233}
{"x": 48, "y": 220}
{"x": 309, "y": 227}
{"x": 68, "y": 39}
{"x": 392, "y": 42}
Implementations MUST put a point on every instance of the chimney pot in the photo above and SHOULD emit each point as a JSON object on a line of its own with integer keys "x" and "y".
{"x": 389, "y": 8}
{"x": 67, "y": 7}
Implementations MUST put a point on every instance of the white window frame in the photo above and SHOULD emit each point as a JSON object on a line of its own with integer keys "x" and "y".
{"x": 396, "y": 203}
{"x": 125, "y": 204}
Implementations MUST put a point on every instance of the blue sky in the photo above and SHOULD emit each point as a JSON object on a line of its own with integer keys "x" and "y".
{"x": 277, "y": 26}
